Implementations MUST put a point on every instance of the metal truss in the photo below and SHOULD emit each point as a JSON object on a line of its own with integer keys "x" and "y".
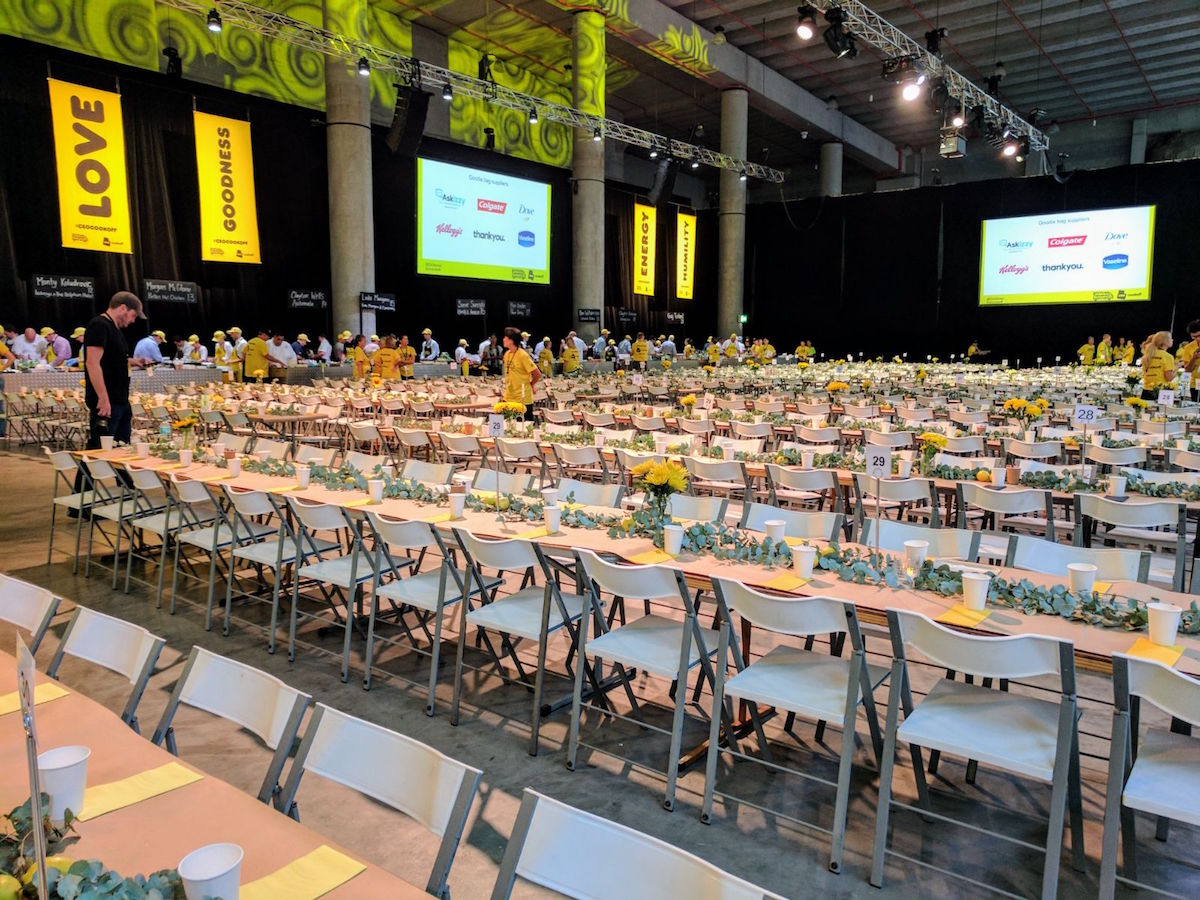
{"x": 877, "y": 31}
{"x": 414, "y": 73}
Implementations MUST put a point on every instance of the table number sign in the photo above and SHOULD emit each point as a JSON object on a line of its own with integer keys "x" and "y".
{"x": 1086, "y": 415}
{"x": 879, "y": 461}
{"x": 1166, "y": 398}
{"x": 495, "y": 425}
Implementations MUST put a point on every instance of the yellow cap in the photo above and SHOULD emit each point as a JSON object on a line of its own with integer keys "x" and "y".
{"x": 462, "y": 342}
{"x": 427, "y": 331}
{"x": 662, "y": 337}
{"x": 218, "y": 336}
{"x": 524, "y": 334}
{"x": 344, "y": 336}
{"x": 670, "y": 337}
{"x": 604, "y": 331}
{"x": 302, "y": 337}
{"x": 79, "y": 332}
{"x": 375, "y": 338}
{"x": 45, "y": 331}
{"x": 161, "y": 335}
{"x": 235, "y": 330}
{"x": 546, "y": 339}
{"x": 611, "y": 342}
{"x": 733, "y": 336}
{"x": 193, "y": 338}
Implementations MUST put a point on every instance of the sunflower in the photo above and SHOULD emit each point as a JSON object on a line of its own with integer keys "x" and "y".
{"x": 661, "y": 477}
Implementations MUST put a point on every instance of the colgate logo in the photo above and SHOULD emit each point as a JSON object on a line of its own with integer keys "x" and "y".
{"x": 492, "y": 206}
{"x": 447, "y": 228}
{"x": 1013, "y": 270}
{"x": 1074, "y": 240}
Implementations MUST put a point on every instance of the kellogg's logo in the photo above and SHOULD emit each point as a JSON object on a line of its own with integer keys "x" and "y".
{"x": 525, "y": 238}
{"x": 448, "y": 199}
{"x": 1115, "y": 261}
{"x": 1073, "y": 240}
{"x": 1013, "y": 270}
{"x": 1014, "y": 246}
{"x": 447, "y": 228}
{"x": 492, "y": 206}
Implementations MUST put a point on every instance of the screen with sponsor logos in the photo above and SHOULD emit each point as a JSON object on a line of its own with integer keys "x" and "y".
{"x": 1095, "y": 256}
{"x": 472, "y": 223}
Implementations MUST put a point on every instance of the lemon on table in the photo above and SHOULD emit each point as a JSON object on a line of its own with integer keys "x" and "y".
{"x": 61, "y": 863}
{"x": 10, "y": 888}
{"x": 983, "y": 476}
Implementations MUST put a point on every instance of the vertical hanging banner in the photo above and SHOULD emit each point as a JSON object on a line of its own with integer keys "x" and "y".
{"x": 89, "y": 149}
{"x": 685, "y": 255}
{"x": 645, "y": 230}
{"x": 228, "y": 215}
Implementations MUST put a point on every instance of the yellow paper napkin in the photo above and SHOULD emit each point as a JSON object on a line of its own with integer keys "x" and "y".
{"x": 651, "y": 557}
{"x": 312, "y": 875}
{"x": 283, "y": 489}
{"x": 42, "y": 693}
{"x": 1102, "y": 587}
{"x": 534, "y": 533}
{"x": 171, "y": 466}
{"x": 960, "y": 615}
{"x": 361, "y": 502}
{"x": 796, "y": 541}
{"x": 1147, "y": 649}
{"x": 213, "y": 478}
{"x": 105, "y": 798}
{"x": 786, "y": 582}
{"x": 441, "y": 517}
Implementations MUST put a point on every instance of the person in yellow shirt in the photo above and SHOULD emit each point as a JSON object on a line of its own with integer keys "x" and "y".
{"x": 1127, "y": 356}
{"x": 520, "y": 374}
{"x": 570, "y": 359}
{"x": 256, "y": 357}
{"x": 357, "y": 356}
{"x": 386, "y": 362}
{"x": 640, "y": 351}
{"x": 689, "y": 349}
{"x": 408, "y": 356}
{"x": 713, "y": 352}
{"x": 545, "y": 357}
{"x": 1186, "y": 355}
{"x": 1104, "y": 353}
{"x": 1087, "y": 353}
{"x": 1158, "y": 365}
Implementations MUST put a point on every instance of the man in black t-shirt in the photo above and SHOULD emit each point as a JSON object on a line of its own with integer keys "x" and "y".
{"x": 106, "y": 369}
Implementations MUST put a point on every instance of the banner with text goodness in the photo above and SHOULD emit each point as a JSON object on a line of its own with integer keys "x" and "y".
{"x": 228, "y": 212}
{"x": 472, "y": 223}
{"x": 1091, "y": 256}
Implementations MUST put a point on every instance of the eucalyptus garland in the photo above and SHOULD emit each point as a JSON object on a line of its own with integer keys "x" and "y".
{"x": 957, "y": 473}
{"x": 1116, "y": 443}
{"x": 1052, "y": 481}
{"x": 1175, "y": 490}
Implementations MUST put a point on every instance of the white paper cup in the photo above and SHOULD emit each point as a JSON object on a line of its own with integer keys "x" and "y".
{"x": 915, "y": 553}
{"x": 1182, "y": 443}
{"x": 774, "y": 529}
{"x": 1116, "y": 485}
{"x": 262, "y": 455}
{"x": 905, "y": 467}
{"x": 599, "y": 439}
{"x": 375, "y": 489}
{"x": 999, "y": 476}
{"x": 143, "y": 449}
{"x": 1081, "y": 577}
{"x": 975, "y": 590}
{"x": 1030, "y": 436}
{"x": 458, "y": 502}
{"x": 106, "y": 442}
{"x": 234, "y": 465}
{"x": 186, "y": 457}
{"x": 303, "y": 475}
{"x": 673, "y": 539}
{"x": 807, "y": 458}
{"x": 553, "y": 517}
{"x": 803, "y": 558}
{"x": 1164, "y": 623}
{"x": 62, "y": 773}
{"x": 550, "y": 497}
{"x": 212, "y": 871}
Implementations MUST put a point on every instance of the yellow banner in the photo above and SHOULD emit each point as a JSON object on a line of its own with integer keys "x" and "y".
{"x": 228, "y": 216}
{"x": 645, "y": 230}
{"x": 685, "y": 255}
{"x": 89, "y": 148}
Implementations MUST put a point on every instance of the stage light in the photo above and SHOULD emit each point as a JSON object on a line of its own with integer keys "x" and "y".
{"x": 214, "y": 21}
{"x": 447, "y": 92}
{"x": 174, "y": 63}
{"x": 1010, "y": 148}
{"x": 742, "y": 175}
{"x": 695, "y": 163}
{"x": 806, "y": 26}
{"x": 364, "y": 67}
{"x": 1022, "y": 149}
{"x": 533, "y": 118}
{"x": 489, "y": 138}
{"x": 910, "y": 89}
{"x": 838, "y": 39}
{"x": 654, "y": 153}
{"x": 959, "y": 119}
{"x": 597, "y": 136}
{"x": 718, "y": 35}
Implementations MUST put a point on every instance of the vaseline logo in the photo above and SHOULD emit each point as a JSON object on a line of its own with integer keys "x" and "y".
{"x": 1115, "y": 261}
{"x": 525, "y": 238}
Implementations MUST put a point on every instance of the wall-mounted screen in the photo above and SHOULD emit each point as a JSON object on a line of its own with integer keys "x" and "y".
{"x": 1094, "y": 256}
{"x": 472, "y": 223}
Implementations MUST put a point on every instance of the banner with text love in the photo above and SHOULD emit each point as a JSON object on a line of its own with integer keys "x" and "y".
{"x": 645, "y": 231}
{"x": 89, "y": 150}
{"x": 225, "y": 166}
{"x": 685, "y": 255}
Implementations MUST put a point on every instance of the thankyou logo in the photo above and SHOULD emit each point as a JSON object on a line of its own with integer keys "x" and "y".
{"x": 1063, "y": 267}
{"x": 491, "y": 206}
{"x": 1072, "y": 240}
{"x": 447, "y": 228}
{"x": 525, "y": 238}
{"x": 1013, "y": 270}
{"x": 1115, "y": 261}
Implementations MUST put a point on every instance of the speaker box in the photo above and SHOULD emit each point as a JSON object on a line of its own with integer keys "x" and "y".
{"x": 664, "y": 182}
{"x": 408, "y": 122}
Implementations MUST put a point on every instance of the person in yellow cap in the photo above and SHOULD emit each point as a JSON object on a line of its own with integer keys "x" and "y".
{"x": 429, "y": 347}
{"x": 689, "y": 349}
{"x": 300, "y": 346}
{"x": 730, "y": 347}
{"x": 58, "y": 348}
{"x": 640, "y": 351}
{"x": 713, "y": 351}
{"x": 341, "y": 346}
{"x": 570, "y": 359}
{"x": 76, "y": 362}
{"x": 238, "y": 359}
{"x": 599, "y": 343}
{"x": 372, "y": 345}
{"x": 520, "y": 374}
{"x": 524, "y": 341}
{"x": 408, "y": 356}
{"x": 196, "y": 351}
{"x": 544, "y": 353}
{"x": 222, "y": 349}
{"x": 356, "y": 355}
{"x": 386, "y": 361}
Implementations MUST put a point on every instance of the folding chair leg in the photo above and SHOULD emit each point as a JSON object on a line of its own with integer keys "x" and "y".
{"x": 845, "y": 765}
{"x": 539, "y": 678}
{"x": 677, "y": 719}
{"x": 435, "y": 657}
{"x": 884, "y": 806}
{"x": 1075, "y": 808}
{"x": 1058, "y": 802}
{"x": 714, "y": 728}
{"x": 462, "y": 640}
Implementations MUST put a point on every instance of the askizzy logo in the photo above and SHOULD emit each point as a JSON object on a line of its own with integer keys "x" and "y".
{"x": 1063, "y": 267}
{"x": 446, "y": 228}
{"x": 1013, "y": 270}
{"x": 1071, "y": 240}
{"x": 449, "y": 200}
{"x": 492, "y": 206}
{"x": 1115, "y": 261}
{"x": 525, "y": 238}
{"x": 1014, "y": 246}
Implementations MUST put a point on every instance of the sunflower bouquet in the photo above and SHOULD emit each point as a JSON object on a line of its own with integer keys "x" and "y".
{"x": 1137, "y": 402}
{"x": 1026, "y": 411}
{"x": 931, "y": 443}
{"x": 510, "y": 409}
{"x": 835, "y": 387}
{"x": 186, "y": 428}
{"x": 688, "y": 402}
{"x": 659, "y": 479}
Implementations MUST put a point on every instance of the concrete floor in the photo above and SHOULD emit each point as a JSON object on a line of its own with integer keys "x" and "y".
{"x": 754, "y": 836}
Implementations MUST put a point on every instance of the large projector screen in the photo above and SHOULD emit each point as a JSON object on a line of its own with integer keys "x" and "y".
{"x": 1095, "y": 256}
{"x": 477, "y": 224}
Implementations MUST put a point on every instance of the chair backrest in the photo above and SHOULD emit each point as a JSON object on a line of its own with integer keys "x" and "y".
{"x": 115, "y": 644}
{"x": 249, "y": 503}
{"x": 903, "y": 490}
{"x": 1034, "y": 449}
{"x": 803, "y": 479}
{"x": 1173, "y": 692}
{"x": 1116, "y": 456}
{"x": 501, "y": 482}
{"x": 366, "y": 463}
{"x": 695, "y": 426}
{"x": 599, "y": 419}
{"x": 818, "y": 435}
{"x": 322, "y": 456}
{"x": 962, "y": 417}
{"x": 460, "y": 443}
{"x": 734, "y": 446}
{"x": 965, "y": 446}
{"x": 429, "y": 473}
{"x": 1186, "y": 459}
{"x": 800, "y": 616}
{"x": 914, "y": 415}
{"x": 413, "y": 438}
{"x": 589, "y": 493}
{"x": 558, "y": 417}
{"x": 512, "y": 555}
{"x": 577, "y": 456}
{"x": 637, "y": 582}
{"x": 315, "y": 515}
{"x": 236, "y": 442}
{"x": 404, "y": 534}
{"x": 753, "y": 430}
{"x": 715, "y": 469}
{"x": 276, "y": 449}
{"x": 1011, "y": 656}
{"x": 955, "y": 543}
{"x": 544, "y": 849}
{"x": 27, "y": 606}
{"x": 899, "y": 439}
{"x": 1130, "y": 514}
{"x": 813, "y": 409}
{"x": 699, "y": 509}
{"x": 1007, "y": 502}
{"x": 1035, "y": 554}
{"x": 798, "y": 523}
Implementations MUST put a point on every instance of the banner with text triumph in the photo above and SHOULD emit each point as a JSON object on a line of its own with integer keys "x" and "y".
{"x": 685, "y": 255}
{"x": 645, "y": 234}
{"x": 89, "y": 149}
{"x": 225, "y": 167}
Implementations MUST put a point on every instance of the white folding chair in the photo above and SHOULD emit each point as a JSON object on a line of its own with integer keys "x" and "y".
{"x": 819, "y": 486}
{"x": 697, "y": 509}
{"x": 822, "y": 688}
{"x": 1157, "y": 523}
{"x": 1018, "y": 734}
{"x": 589, "y": 493}
{"x": 398, "y": 771}
{"x": 578, "y": 462}
{"x": 66, "y": 474}
{"x": 1027, "y": 509}
{"x": 1033, "y": 554}
{"x": 249, "y": 697}
{"x": 429, "y": 474}
{"x": 544, "y": 849}
{"x": 714, "y": 476}
{"x": 491, "y": 481}
{"x": 951, "y": 543}
{"x": 523, "y": 455}
{"x": 906, "y": 497}
{"x": 797, "y": 523}
{"x": 115, "y": 644}
{"x": 27, "y": 606}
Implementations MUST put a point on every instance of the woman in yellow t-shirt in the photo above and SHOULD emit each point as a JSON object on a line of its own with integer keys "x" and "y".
{"x": 1158, "y": 365}
{"x": 570, "y": 360}
{"x": 545, "y": 357}
{"x": 386, "y": 361}
{"x": 640, "y": 351}
{"x": 357, "y": 355}
{"x": 407, "y": 355}
{"x": 713, "y": 352}
{"x": 520, "y": 374}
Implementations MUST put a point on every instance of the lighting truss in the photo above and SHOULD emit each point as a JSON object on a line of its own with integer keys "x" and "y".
{"x": 415, "y": 73}
{"x": 883, "y": 35}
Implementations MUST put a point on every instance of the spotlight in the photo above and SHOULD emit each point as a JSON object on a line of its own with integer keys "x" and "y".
{"x": 654, "y": 153}
{"x": 960, "y": 118}
{"x": 1010, "y": 148}
{"x": 837, "y": 37}
{"x": 742, "y": 175}
{"x": 698, "y": 131}
{"x": 533, "y": 118}
{"x": 597, "y": 136}
{"x": 174, "y": 63}
{"x": 364, "y": 67}
{"x": 718, "y": 35}
{"x": 993, "y": 80}
{"x": 447, "y": 92}
{"x": 695, "y": 163}
{"x": 214, "y": 21}
{"x": 933, "y": 40}
{"x": 1023, "y": 150}
{"x": 910, "y": 89}
{"x": 489, "y": 138}
{"x": 806, "y": 26}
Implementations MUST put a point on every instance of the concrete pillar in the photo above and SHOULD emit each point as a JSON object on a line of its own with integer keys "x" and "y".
{"x": 831, "y": 169}
{"x": 351, "y": 213}
{"x": 731, "y": 259}
{"x": 587, "y": 173}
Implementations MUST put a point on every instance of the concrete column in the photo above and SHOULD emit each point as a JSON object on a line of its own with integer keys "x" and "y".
{"x": 351, "y": 213}
{"x": 587, "y": 172}
{"x": 831, "y": 169}
{"x": 731, "y": 237}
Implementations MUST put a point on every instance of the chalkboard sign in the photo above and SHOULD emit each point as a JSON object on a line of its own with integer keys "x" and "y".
{"x": 626, "y": 316}
{"x": 380, "y": 302}
{"x": 520, "y": 309}
{"x": 471, "y": 307}
{"x": 674, "y": 318}
{"x": 63, "y": 287}
{"x": 299, "y": 298}
{"x": 163, "y": 291}
{"x": 589, "y": 315}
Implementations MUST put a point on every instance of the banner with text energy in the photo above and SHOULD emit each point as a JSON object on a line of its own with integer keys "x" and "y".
{"x": 1091, "y": 256}
{"x": 645, "y": 233}
{"x": 225, "y": 167}
{"x": 89, "y": 149}
{"x": 472, "y": 223}
{"x": 685, "y": 255}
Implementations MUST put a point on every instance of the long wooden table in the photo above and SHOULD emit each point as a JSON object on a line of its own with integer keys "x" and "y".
{"x": 157, "y": 833}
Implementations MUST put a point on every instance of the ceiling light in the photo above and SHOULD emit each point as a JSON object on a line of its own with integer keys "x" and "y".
{"x": 214, "y": 21}
{"x": 910, "y": 89}
{"x": 960, "y": 118}
{"x": 447, "y": 92}
{"x": 742, "y": 175}
{"x": 533, "y": 118}
{"x": 695, "y": 163}
{"x": 596, "y": 135}
{"x": 364, "y": 67}
{"x": 838, "y": 39}
{"x": 718, "y": 35}
{"x": 1010, "y": 148}
{"x": 806, "y": 26}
